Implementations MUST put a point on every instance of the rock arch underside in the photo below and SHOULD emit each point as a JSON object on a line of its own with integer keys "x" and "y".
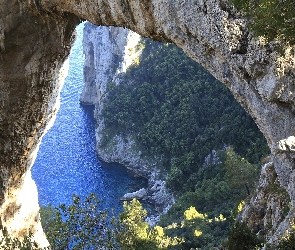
{"x": 35, "y": 40}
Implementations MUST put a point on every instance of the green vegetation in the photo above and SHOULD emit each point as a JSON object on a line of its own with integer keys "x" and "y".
{"x": 82, "y": 225}
{"x": 287, "y": 243}
{"x": 217, "y": 195}
{"x": 72, "y": 227}
{"x": 242, "y": 238}
{"x": 134, "y": 234}
{"x": 176, "y": 111}
{"x": 273, "y": 19}
{"x": 130, "y": 231}
{"x": 11, "y": 243}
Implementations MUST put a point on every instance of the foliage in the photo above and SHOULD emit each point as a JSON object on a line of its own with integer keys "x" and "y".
{"x": 218, "y": 196}
{"x": 12, "y": 243}
{"x": 273, "y": 19}
{"x": 48, "y": 216}
{"x": 242, "y": 238}
{"x": 177, "y": 112}
{"x": 179, "y": 117}
{"x": 134, "y": 233}
{"x": 81, "y": 225}
{"x": 287, "y": 243}
{"x": 198, "y": 230}
{"x": 133, "y": 228}
{"x": 240, "y": 174}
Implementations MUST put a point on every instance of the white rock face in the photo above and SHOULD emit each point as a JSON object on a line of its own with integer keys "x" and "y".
{"x": 108, "y": 53}
{"x": 103, "y": 48}
{"x": 25, "y": 210}
{"x": 211, "y": 159}
{"x": 139, "y": 195}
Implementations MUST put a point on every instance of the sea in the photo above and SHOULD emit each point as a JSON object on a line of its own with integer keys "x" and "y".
{"x": 67, "y": 163}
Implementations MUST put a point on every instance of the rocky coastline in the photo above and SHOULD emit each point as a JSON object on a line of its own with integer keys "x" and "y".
{"x": 109, "y": 51}
{"x": 35, "y": 40}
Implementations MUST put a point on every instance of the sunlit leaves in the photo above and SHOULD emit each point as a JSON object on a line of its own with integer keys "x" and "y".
{"x": 135, "y": 233}
{"x": 198, "y": 230}
{"x": 83, "y": 225}
{"x": 192, "y": 213}
{"x": 197, "y": 233}
{"x": 241, "y": 206}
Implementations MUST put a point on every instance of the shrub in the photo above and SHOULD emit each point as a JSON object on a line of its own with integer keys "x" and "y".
{"x": 241, "y": 237}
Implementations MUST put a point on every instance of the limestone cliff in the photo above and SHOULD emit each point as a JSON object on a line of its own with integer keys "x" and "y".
{"x": 35, "y": 38}
{"x": 33, "y": 49}
{"x": 268, "y": 207}
{"x": 103, "y": 48}
{"x": 108, "y": 54}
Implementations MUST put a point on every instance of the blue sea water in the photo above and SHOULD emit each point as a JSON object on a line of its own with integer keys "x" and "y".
{"x": 67, "y": 163}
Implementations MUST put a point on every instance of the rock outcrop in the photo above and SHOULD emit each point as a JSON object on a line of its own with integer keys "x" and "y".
{"x": 103, "y": 48}
{"x": 35, "y": 37}
{"x": 265, "y": 213}
{"x": 139, "y": 195}
{"x": 32, "y": 52}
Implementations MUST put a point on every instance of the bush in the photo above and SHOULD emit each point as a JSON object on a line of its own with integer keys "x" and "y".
{"x": 241, "y": 237}
{"x": 11, "y": 243}
{"x": 81, "y": 225}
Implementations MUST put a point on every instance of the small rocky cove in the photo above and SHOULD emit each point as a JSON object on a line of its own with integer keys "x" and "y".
{"x": 67, "y": 163}
{"x": 109, "y": 51}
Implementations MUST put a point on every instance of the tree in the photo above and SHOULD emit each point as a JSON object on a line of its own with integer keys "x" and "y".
{"x": 132, "y": 228}
{"x": 240, "y": 174}
{"x": 81, "y": 225}
{"x": 270, "y": 18}
{"x": 135, "y": 234}
{"x": 242, "y": 238}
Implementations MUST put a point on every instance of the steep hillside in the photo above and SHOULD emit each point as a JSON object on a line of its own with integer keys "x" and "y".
{"x": 109, "y": 54}
{"x": 165, "y": 113}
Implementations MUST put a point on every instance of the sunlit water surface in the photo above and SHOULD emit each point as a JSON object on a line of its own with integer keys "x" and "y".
{"x": 67, "y": 163}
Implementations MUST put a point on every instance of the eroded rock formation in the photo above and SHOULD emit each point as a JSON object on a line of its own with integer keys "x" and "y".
{"x": 35, "y": 38}
{"x": 33, "y": 49}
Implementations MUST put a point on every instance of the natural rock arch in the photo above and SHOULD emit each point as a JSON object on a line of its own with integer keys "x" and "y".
{"x": 35, "y": 39}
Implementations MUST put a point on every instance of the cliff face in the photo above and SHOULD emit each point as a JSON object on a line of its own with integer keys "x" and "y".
{"x": 108, "y": 54}
{"x": 33, "y": 49}
{"x": 103, "y": 48}
{"x": 35, "y": 38}
{"x": 269, "y": 206}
